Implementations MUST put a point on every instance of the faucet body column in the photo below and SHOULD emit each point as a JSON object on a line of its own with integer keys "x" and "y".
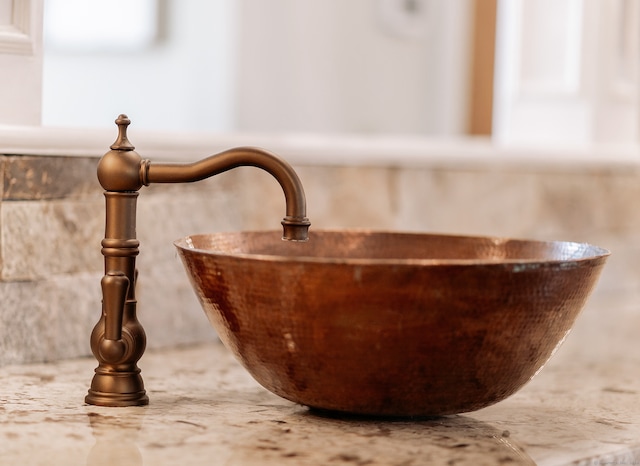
{"x": 118, "y": 340}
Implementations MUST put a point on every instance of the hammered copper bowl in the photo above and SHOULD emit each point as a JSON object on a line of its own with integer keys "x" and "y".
{"x": 390, "y": 324}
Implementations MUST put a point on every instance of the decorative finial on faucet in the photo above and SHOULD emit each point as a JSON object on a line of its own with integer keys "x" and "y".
{"x": 122, "y": 143}
{"x": 122, "y": 169}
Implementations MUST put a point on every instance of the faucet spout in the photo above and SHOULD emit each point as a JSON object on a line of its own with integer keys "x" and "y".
{"x": 295, "y": 223}
{"x": 118, "y": 339}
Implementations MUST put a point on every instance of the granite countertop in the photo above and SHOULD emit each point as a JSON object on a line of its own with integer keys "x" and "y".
{"x": 583, "y": 408}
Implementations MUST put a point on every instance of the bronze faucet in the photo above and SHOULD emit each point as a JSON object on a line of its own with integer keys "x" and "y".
{"x": 118, "y": 340}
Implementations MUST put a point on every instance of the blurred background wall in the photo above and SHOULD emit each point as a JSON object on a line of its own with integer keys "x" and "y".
{"x": 252, "y": 65}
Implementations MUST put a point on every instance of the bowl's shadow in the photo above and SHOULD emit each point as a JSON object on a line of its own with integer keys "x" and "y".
{"x": 320, "y": 437}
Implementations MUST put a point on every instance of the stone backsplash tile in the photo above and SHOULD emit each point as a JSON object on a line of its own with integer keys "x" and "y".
{"x": 29, "y": 178}
{"x": 47, "y": 320}
{"x": 24, "y": 323}
{"x": 351, "y": 197}
{"x": 466, "y": 202}
{"x": 584, "y": 205}
{"x": 168, "y": 308}
{"x": 50, "y": 237}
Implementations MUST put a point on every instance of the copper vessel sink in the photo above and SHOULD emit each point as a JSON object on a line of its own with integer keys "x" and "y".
{"x": 390, "y": 324}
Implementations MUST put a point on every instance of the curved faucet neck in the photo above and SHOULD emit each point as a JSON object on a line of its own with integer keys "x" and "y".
{"x": 122, "y": 169}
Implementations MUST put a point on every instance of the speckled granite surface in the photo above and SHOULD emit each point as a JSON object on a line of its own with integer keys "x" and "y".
{"x": 583, "y": 408}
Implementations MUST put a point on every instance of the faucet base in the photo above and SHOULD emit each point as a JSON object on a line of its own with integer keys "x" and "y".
{"x": 117, "y": 388}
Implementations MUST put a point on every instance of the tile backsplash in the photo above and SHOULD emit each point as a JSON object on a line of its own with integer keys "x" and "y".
{"x": 52, "y": 223}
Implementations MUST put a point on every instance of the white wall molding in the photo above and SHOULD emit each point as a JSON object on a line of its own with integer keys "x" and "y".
{"x": 567, "y": 72}
{"x": 551, "y": 44}
{"x": 19, "y": 35}
{"x": 20, "y": 62}
{"x": 617, "y": 115}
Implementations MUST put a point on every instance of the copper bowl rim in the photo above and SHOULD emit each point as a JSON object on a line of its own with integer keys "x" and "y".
{"x": 594, "y": 252}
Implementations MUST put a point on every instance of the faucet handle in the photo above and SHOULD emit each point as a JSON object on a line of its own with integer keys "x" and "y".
{"x": 115, "y": 286}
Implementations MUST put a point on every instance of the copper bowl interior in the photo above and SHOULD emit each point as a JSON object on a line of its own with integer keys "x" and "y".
{"x": 390, "y": 324}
